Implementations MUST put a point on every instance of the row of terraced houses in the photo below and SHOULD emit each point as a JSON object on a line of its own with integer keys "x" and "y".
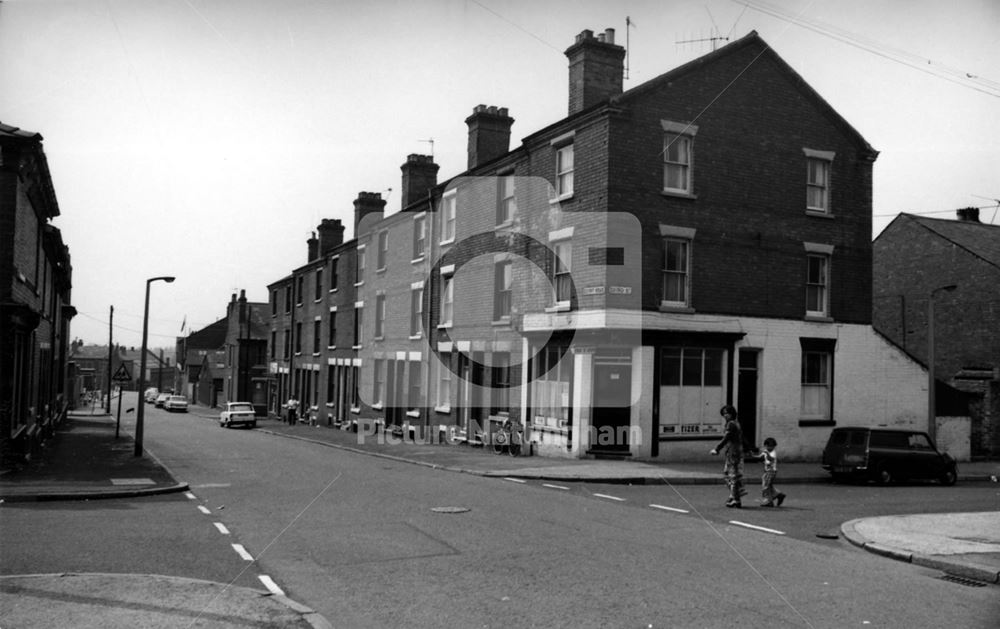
{"x": 609, "y": 283}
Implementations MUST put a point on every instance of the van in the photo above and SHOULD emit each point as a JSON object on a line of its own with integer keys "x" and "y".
{"x": 886, "y": 455}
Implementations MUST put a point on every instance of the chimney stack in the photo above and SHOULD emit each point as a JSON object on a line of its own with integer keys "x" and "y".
{"x": 367, "y": 204}
{"x": 489, "y": 134}
{"x": 419, "y": 176}
{"x": 596, "y": 67}
{"x": 313, "y": 245}
{"x": 968, "y": 214}
{"x": 331, "y": 235}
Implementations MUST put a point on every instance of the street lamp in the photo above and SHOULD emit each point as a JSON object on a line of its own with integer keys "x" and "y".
{"x": 142, "y": 366}
{"x": 931, "y": 411}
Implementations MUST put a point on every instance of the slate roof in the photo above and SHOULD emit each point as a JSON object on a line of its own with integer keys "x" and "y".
{"x": 980, "y": 239}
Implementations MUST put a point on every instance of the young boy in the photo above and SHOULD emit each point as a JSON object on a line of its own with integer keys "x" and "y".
{"x": 770, "y": 496}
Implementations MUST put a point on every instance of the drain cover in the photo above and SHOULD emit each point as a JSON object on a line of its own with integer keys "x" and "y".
{"x": 962, "y": 581}
{"x": 449, "y": 509}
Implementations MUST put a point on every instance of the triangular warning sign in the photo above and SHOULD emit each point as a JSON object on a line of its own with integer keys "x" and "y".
{"x": 122, "y": 374}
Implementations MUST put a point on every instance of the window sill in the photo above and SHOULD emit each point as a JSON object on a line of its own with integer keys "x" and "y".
{"x": 415, "y": 414}
{"x": 501, "y": 322}
{"x": 379, "y": 338}
{"x": 445, "y": 326}
{"x": 380, "y": 271}
{"x": 678, "y": 194}
{"x": 444, "y": 243}
{"x": 507, "y": 224}
{"x": 316, "y": 354}
{"x": 819, "y": 213}
{"x": 356, "y": 347}
{"x": 377, "y": 407}
{"x": 562, "y": 306}
{"x": 561, "y": 198}
{"x": 415, "y": 337}
{"x": 355, "y": 409}
{"x": 331, "y": 347}
{"x": 444, "y": 410}
{"x": 818, "y": 318}
{"x": 816, "y": 422}
{"x": 417, "y": 260}
{"x": 666, "y": 306}
{"x": 333, "y": 290}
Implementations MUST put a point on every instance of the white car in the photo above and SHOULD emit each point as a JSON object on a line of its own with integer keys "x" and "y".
{"x": 161, "y": 399}
{"x": 238, "y": 413}
{"x": 176, "y": 403}
{"x": 151, "y": 394}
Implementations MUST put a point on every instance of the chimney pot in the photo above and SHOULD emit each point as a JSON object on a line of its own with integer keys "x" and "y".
{"x": 419, "y": 176}
{"x": 968, "y": 214}
{"x": 596, "y": 69}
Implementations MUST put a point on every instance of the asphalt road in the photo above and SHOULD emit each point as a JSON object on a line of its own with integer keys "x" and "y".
{"x": 358, "y": 539}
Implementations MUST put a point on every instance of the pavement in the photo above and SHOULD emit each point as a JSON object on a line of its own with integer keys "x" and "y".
{"x": 87, "y": 461}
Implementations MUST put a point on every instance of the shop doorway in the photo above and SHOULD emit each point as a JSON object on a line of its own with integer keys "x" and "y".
{"x": 746, "y": 398}
{"x": 612, "y": 405}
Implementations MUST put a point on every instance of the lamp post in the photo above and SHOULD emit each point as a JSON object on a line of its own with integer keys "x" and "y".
{"x": 931, "y": 410}
{"x": 142, "y": 366}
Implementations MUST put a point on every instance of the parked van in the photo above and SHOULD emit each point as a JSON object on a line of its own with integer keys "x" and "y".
{"x": 885, "y": 455}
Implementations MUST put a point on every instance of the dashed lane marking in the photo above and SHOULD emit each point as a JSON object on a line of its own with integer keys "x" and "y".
{"x": 189, "y": 495}
{"x": 555, "y": 486}
{"x": 757, "y": 528}
{"x": 204, "y": 509}
{"x": 222, "y": 528}
{"x": 515, "y": 480}
{"x": 674, "y": 509}
{"x": 609, "y": 497}
{"x": 242, "y": 552}
{"x": 271, "y": 586}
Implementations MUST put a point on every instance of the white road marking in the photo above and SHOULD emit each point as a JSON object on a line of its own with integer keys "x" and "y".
{"x": 756, "y": 528}
{"x": 271, "y": 585}
{"x": 222, "y": 528}
{"x": 204, "y": 509}
{"x": 610, "y": 497}
{"x": 515, "y": 480}
{"x": 674, "y": 509}
{"x": 242, "y": 552}
{"x": 555, "y": 486}
{"x": 189, "y": 495}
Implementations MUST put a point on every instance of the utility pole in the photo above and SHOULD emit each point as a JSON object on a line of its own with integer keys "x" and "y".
{"x": 111, "y": 349}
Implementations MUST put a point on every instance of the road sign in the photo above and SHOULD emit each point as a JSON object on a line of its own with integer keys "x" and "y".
{"x": 122, "y": 374}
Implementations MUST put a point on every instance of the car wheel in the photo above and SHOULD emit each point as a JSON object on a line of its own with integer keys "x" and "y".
{"x": 948, "y": 477}
{"x": 884, "y": 475}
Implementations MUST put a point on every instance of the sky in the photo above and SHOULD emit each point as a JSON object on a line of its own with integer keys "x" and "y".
{"x": 206, "y": 139}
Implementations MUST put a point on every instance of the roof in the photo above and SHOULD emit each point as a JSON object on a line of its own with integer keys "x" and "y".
{"x": 751, "y": 39}
{"x": 8, "y": 132}
{"x": 32, "y": 140}
{"x": 209, "y": 337}
{"x": 980, "y": 239}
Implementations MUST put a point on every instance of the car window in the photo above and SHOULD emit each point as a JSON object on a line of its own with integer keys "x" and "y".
{"x": 888, "y": 439}
{"x": 920, "y": 442}
{"x": 838, "y": 438}
{"x": 240, "y": 407}
{"x": 858, "y": 438}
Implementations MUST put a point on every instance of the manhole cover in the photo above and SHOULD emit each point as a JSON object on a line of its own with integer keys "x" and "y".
{"x": 449, "y": 509}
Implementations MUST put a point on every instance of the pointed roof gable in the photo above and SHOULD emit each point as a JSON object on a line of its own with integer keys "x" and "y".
{"x": 980, "y": 239}
{"x": 210, "y": 337}
{"x": 752, "y": 39}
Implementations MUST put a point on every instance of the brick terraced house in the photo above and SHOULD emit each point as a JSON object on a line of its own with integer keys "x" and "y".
{"x": 35, "y": 287}
{"x": 611, "y": 282}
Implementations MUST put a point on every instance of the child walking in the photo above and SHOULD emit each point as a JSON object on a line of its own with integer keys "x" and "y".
{"x": 770, "y": 497}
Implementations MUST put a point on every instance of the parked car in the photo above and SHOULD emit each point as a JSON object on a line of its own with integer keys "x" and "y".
{"x": 238, "y": 413}
{"x": 177, "y": 403}
{"x": 150, "y": 395}
{"x": 886, "y": 455}
{"x": 160, "y": 399}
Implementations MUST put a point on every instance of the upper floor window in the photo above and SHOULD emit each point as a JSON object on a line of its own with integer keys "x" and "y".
{"x": 383, "y": 250}
{"x": 447, "y": 300}
{"x": 333, "y": 273}
{"x": 676, "y": 264}
{"x": 678, "y": 154}
{"x": 562, "y": 268}
{"x": 288, "y": 298}
{"x": 416, "y": 309}
{"x": 274, "y": 303}
{"x": 298, "y": 338}
{"x": 379, "y": 316}
{"x": 507, "y": 203}
{"x": 818, "y": 180}
{"x": 502, "y": 283}
{"x": 449, "y": 205}
{"x": 360, "y": 274}
{"x": 332, "y": 329}
{"x": 419, "y": 237}
{"x": 358, "y": 312}
{"x": 319, "y": 284}
{"x": 317, "y": 335}
{"x": 564, "y": 171}
{"x": 299, "y": 285}
{"x": 817, "y": 284}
